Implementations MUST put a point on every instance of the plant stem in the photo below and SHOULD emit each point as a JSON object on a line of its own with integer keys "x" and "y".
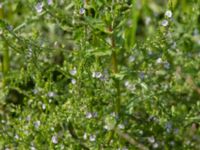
{"x": 5, "y": 64}
{"x": 75, "y": 136}
{"x": 130, "y": 32}
{"x": 172, "y": 4}
{"x": 114, "y": 71}
{"x": 129, "y": 139}
{"x": 6, "y": 60}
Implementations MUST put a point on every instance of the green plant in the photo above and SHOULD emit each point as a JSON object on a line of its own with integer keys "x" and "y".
{"x": 100, "y": 74}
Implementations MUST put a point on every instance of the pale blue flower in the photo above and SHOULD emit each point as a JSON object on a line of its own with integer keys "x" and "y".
{"x": 168, "y": 13}
{"x": 54, "y": 139}
{"x": 39, "y": 7}
{"x": 92, "y": 138}
{"x": 151, "y": 139}
{"x": 82, "y": 11}
{"x": 73, "y": 72}
{"x": 49, "y": 2}
{"x": 37, "y": 124}
{"x": 164, "y": 23}
{"x": 73, "y": 81}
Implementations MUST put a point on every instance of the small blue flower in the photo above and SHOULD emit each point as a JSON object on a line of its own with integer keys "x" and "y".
{"x": 37, "y": 124}
{"x": 73, "y": 72}
{"x": 54, "y": 139}
{"x": 164, "y": 23}
{"x": 82, "y": 11}
{"x": 168, "y": 13}
{"x": 92, "y": 138}
{"x": 166, "y": 65}
{"x": 49, "y": 2}
{"x": 39, "y": 7}
{"x": 73, "y": 81}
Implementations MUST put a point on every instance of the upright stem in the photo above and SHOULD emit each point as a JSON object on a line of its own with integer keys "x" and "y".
{"x": 6, "y": 60}
{"x": 172, "y": 4}
{"x": 114, "y": 71}
{"x": 114, "y": 62}
{"x": 130, "y": 32}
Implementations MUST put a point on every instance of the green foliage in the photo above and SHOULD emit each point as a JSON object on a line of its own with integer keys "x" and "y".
{"x": 120, "y": 74}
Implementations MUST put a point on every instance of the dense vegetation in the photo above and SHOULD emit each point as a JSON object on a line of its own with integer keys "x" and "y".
{"x": 100, "y": 74}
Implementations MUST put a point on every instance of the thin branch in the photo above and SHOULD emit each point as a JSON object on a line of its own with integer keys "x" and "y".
{"x": 75, "y": 136}
{"x": 129, "y": 139}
